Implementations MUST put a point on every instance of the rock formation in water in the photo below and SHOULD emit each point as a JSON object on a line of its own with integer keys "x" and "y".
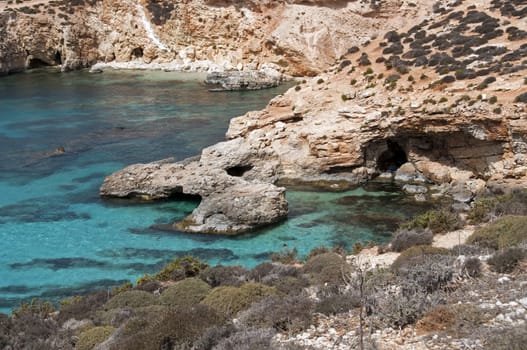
{"x": 442, "y": 101}
{"x": 296, "y": 37}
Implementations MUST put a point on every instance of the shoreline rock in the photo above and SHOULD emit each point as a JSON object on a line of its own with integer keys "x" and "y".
{"x": 244, "y": 80}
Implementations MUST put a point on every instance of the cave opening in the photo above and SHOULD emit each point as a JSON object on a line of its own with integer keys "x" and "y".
{"x": 392, "y": 158}
{"x": 37, "y": 63}
{"x": 238, "y": 170}
{"x": 137, "y": 53}
{"x": 58, "y": 57}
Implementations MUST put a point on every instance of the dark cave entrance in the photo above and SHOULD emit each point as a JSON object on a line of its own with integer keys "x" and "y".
{"x": 37, "y": 63}
{"x": 239, "y": 170}
{"x": 392, "y": 158}
{"x": 137, "y": 53}
{"x": 58, "y": 57}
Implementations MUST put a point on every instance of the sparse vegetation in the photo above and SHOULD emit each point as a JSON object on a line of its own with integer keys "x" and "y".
{"x": 505, "y": 232}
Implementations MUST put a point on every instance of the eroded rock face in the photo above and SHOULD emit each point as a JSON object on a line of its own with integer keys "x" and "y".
{"x": 243, "y": 80}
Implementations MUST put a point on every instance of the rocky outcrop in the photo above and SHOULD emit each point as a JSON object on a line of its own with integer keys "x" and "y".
{"x": 298, "y": 37}
{"x": 244, "y": 80}
{"x": 229, "y": 204}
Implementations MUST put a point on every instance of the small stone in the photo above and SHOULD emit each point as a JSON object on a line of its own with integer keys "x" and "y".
{"x": 504, "y": 279}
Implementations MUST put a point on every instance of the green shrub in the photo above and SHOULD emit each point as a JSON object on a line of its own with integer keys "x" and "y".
{"x": 317, "y": 251}
{"x": 181, "y": 268}
{"x": 481, "y": 209}
{"x": 443, "y": 99}
{"x": 187, "y": 292}
{"x": 131, "y": 299}
{"x": 36, "y": 307}
{"x": 325, "y": 268}
{"x": 497, "y": 110}
{"x": 493, "y": 100}
{"x": 231, "y": 300}
{"x": 505, "y": 232}
{"x": 506, "y": 261}
{"x": 320, "y": 81}
{"x": 353, "y": 81}
{"x": 81, "y": 308}
{"x": 405, "y": 239}
{"x": 420, "y": 251}
{"x": 92, "y": 337}
{"x": 436, "y": 220}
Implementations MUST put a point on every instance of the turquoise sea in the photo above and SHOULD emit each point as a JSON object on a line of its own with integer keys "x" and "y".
{"x": 58, "y": 238}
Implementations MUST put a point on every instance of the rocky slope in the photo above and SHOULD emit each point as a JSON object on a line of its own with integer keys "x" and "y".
{"x": 297, "y": 37}
{"x": 442, "y": 102}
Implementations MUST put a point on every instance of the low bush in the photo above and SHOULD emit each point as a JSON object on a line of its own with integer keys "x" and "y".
{"x": 131, "y": 299}
{"x": 505, "y": 232}
{"x": 225, "y": 275}
{"x": 187, "y": 292}
{"x": 407, "y": 257}
{"x": 481, "y": 209}
{"x": 458, "y": 319}
{"x": 284, "y": 314}
{"x": 471, "y": 267}
{"x": 231, "y": 300}
{"x": 288, "y": 256}
{"x": 181, "y": 268}
{"x": 93, "y": 336}
{"x": 506, "y": 261}
{"x": 427, "y": 273}
{"x": 289, "y": 285}
{"x": 405, "y": 238}
{"x": 248, "y": 339}
{"x": 337, "y": 303}
{"x": 174, "y": 328}
{"x": 325, "y": 268}
{"x": 317, "y": 251}
{"x": 510, "y": 338}
{"x": 435, "y": 220}
{"x": 267, "y": 272}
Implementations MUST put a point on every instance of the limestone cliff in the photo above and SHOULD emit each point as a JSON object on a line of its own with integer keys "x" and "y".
{"x": 298, "y": 37}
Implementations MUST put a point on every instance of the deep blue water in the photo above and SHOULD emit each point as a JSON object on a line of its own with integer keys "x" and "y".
{"x": 58, "y": 238}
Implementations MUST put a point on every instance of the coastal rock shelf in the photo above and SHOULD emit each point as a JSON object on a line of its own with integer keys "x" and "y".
{"x": 229, "y": 204}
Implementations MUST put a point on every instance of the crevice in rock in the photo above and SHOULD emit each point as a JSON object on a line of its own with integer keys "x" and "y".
{"x": 239, "y": 170}
{"x": 58, "y": 57}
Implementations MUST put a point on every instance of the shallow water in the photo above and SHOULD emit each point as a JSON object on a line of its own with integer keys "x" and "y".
{"x": 59, "y": 238}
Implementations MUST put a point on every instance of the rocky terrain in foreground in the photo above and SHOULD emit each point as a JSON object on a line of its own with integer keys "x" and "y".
{"x": 440, "y": 105}
{"x": 443, "y": 282}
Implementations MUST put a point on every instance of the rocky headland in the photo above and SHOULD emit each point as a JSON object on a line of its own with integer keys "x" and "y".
{"x": 439, "y": 104}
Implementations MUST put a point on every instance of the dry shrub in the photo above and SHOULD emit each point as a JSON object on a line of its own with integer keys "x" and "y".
{"x": 458, "y": 319}
{"x": 181, "y": 268}
{"x": 173, "y": 328}
{"x": 326, "y": 268}
{"x": 405, "y": 238}
{"x": 439, "y": 318}
{"x": 506, "y": 261}
{"x": 231, "y": 300}
{"x": 407, "y": 257}
{"x": 269, "y": 271}
{"x": 81, "y": 308}
{"x": 472, "y": 267}
{"x": 290, "y": 313}
{"x": 187, "y": 292}
{"x": 252, "y": 339}
{"x": 289, "y": 285}
{"x": 505, "y": 232}
{"x": 513, "y": 338}
{"x": 337, "y": 303}
{"x": 225, "y": 275}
